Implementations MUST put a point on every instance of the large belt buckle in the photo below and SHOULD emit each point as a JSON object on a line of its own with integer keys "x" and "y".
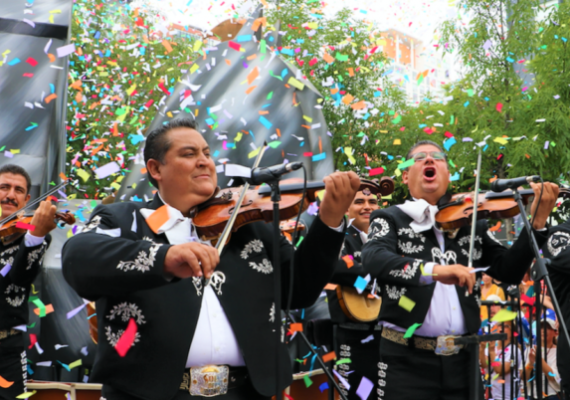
{"x": 209, "y": 381}
{"x": 446, "y": 346}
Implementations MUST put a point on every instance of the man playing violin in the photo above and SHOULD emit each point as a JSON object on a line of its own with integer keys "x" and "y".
{"x": 144, "y": 265}
{"x": 354, "y": 340}
{"x": 425, "y": 281}
{"x": 20, "y": 262}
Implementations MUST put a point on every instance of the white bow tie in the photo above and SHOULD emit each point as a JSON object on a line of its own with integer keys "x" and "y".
{"x": 421, "y": 212}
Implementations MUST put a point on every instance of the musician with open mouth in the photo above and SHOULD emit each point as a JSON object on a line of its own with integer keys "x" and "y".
{"x": 429, "y": 296}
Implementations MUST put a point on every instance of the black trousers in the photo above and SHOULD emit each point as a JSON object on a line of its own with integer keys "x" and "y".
{"x": 13, "y": 366}
{"x": 364, "y": 358}
{"x": 244, "y": 392}
{"x": 409, "y": 373}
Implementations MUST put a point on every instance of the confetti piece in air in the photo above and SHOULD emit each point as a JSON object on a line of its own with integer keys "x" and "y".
{"x": 341, "y": 379}
{"x": 365, "y": 388}
{"x": 158, "y": 218}
{"x": 127, "y": 338}
{"x": 45, "y": 310}
{"x": 324, "y": 386}
{"x": 348, "y": 260}
{"x": 329, "y": 356}
{"x": 504, "y": 315}
{"x": 65, "y": 50}
{"x": 75, "y": 311}
{"x": 307, "y": 380}
{"x": 4, "y": 271}
{"x": 410, "y": 331}
{"x": 23, "y": 225}
{"x": 406, "y": 303}
{"x": 296, "y": 327}
{"x": 26, "y": 395}
{"x": 4, "y": 383}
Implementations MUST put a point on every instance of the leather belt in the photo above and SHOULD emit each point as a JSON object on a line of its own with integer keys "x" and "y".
{"x": 213, "y": 380}
{"x": 441, "y": 345}
{"x": 8, "y": 332}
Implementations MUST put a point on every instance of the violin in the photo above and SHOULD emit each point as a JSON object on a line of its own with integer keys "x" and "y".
{"x": 210, "y": 218}
{"x": 456, "y": 211}
{"x": 17, "y": 224}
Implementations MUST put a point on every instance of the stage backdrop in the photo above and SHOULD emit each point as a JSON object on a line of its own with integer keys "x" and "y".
{"x": 33, "y": 86}
{"x": 242, "y": 94}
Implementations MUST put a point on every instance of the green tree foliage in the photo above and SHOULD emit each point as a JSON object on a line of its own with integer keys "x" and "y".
{"x": 120, "y": 73}
{"x": 342, "y": 57}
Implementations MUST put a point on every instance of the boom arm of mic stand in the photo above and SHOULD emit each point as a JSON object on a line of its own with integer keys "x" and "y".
{"x": 322, "y": 363}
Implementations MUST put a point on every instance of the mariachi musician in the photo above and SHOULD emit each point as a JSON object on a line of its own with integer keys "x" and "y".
{"x": 193, "y": 338}
{"x": 356, "y": 337}
{"x": 21, "y": 257}
{"x": 426, "y": 286}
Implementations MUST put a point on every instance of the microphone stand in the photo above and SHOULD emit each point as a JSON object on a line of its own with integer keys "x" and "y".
{"x": 279, "y": 329}
{"x": 539, "y": 273}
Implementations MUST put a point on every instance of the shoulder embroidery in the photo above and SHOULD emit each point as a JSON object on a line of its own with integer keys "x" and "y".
{"x": 264, "y": 266}
{"x": 10, "y": 250}
{"x": 408, "y": 272}
{"x": 15, "y": 300}
{"x": 143, "y": 262}
{"x": 409, "y": 248}
{"x": 393, "y": 292}
{"x": 477, "y": 253}
{"x": 255, "y": 245}
{"x": 378, "y": 228}
{"x": 558, "y": 242}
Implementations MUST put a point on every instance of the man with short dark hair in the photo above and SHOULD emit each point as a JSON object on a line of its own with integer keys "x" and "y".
{"x": 355, "y": 341}
{"x": 428, "y": 294}
{"x": 194, "y": 337}
{"x": 20, "y": 261}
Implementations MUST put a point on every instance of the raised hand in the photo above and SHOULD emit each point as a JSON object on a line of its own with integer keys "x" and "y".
{"x": 340, "y": 189}
{"x": 44, "y": 219}
{"x": 455, "y": 274}
{"x": 547, "y": 202}
{"x": 191, "y": 259}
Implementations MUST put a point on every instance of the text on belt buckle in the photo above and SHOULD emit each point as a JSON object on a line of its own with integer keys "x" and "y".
{"x": 446, "y": 346}
{"x": 209, "y": 381}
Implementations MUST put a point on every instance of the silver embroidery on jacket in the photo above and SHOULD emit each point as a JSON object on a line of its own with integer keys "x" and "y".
{"x": 465, "y": 240}
{"x": 272, "y": 313}
{"x": 125, "y": 311}
{"x": 447, "y": 258}
{"x": 409, "y": 247}
{"x": 94, "y": 223}
{"x": 378, "y": 232}
{"x": 143, "y": 262}
{"x": 15, "y": 300}
{"x": 411, "y": 234}
{"x": 217, "y": 279}
{"x": 408, "y": 272}
{"x": 558, "y": 242}
{"x": 477, "y": 253}
{"x": 197, "y": 282}
{"x": 264, "y": 266}
{"x": 35, "y": 255}
{"x": 255, "y": 245}
{"x": 393, "y": 292}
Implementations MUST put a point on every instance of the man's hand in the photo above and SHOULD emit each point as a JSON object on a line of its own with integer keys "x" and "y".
{"x": 44, "y": 219}
{"x": 341, "y": 187}
{"x": 191, "y": 259}
{"x": 455, "y": 274}
{"x": 547, "y": 203}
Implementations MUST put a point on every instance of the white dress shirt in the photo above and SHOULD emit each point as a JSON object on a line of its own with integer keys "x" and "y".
{"x": 214, "y": 340}
{"x": 444, "y": 316}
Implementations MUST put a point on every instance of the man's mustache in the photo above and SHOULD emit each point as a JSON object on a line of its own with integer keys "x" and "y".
{"x": 9, "y": 201}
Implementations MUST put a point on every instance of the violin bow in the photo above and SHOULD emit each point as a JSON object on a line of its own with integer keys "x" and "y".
{"x": 33, "y": 203}
{"x": 474, "y": 215}
{"x": 228, "y": 229}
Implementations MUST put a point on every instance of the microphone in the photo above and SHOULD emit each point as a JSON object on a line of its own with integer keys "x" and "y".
{"x": 269, "y": 174}
{"x": 503, "y": 184}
